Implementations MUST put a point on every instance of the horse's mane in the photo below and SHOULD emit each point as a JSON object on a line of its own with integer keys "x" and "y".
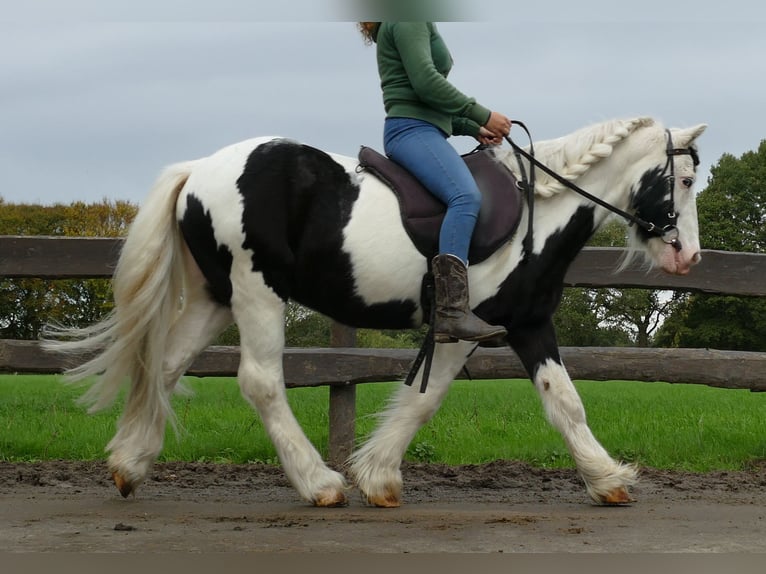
{"x": 572, "y": 155}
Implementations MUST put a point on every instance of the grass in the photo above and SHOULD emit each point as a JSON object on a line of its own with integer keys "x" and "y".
{"x": 658, "y": 425}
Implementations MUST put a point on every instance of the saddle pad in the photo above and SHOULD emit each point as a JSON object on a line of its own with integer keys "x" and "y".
{"x": 423, "y": 213}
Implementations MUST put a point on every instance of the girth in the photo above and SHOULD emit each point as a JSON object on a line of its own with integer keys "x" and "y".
{"x": 422, "y": 213}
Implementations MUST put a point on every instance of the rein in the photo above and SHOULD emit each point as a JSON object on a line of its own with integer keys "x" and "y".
{"x": 668, "y": 233}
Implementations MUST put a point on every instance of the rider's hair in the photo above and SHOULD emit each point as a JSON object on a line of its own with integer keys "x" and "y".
{"x": 366, "y": 29}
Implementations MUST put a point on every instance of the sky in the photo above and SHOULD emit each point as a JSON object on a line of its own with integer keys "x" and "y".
{"x": 95, "y": 100}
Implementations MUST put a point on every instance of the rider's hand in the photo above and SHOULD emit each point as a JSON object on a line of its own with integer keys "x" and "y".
{"x": 498, "y": 124}
{"x": 486, "y": 137}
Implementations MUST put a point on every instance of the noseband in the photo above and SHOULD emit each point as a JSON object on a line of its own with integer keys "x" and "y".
{"x": 667, "y": 233}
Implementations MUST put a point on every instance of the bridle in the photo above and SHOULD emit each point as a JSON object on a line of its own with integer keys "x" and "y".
{"x": 668, "y": 233}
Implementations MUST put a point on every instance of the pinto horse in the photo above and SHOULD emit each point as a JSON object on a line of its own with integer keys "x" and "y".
{"x": 233, "y": 236}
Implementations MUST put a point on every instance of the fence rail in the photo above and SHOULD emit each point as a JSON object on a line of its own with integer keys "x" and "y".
{"x": 343, "y": 366}
{"x": 727, "y": 272}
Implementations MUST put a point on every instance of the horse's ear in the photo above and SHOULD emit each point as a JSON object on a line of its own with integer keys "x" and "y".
{"x": 686, "y": 136}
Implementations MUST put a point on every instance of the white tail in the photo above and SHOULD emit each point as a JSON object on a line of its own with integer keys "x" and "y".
{"x": 148, "y": 288}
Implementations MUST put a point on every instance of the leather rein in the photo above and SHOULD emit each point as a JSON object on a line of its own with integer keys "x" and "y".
{"x": 668, "y": 233}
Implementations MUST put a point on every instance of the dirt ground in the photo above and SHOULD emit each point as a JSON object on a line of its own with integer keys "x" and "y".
{"x": 503, "y": 506}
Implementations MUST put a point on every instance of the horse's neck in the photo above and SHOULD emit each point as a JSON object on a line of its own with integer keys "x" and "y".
{"x": 608, "y": 182}
{"x": 561, "y": 215}
{"x": 607, "y": 179}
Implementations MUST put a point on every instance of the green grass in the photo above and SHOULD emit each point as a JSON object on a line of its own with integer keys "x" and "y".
{"x": 656, "y": 425}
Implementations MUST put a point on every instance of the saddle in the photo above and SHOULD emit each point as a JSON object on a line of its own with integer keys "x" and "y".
{"x": 422, "y": 213}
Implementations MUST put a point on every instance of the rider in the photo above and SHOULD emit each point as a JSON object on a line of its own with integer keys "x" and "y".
{"x": 422, "y": 110}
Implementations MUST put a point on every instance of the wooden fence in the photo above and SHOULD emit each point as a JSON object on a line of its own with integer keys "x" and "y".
{"x": 343, "y": 366}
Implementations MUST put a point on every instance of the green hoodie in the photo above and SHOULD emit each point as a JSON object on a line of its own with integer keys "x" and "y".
{"x": 413, "y": 63}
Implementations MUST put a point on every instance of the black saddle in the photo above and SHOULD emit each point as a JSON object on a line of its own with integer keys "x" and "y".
{"x": 422, "y": 213}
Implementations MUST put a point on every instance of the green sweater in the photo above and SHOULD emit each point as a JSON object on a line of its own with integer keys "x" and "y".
{"x": 413, "y": 63}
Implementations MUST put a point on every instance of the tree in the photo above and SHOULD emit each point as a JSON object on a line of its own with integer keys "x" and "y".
{"x": 26, "y": 305}
{"x": 306, "y": 328}
{"x": 717, "y": 322}
{"x": 732, "y": 208}
{"x": 732, "y": 213}
{"x": 579, "y": 322}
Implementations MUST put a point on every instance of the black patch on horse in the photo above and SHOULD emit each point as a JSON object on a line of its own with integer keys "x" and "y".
{"x": 297, "y": 201}
{"x": 651, "y": 201}
{"x": 213, "y": 260}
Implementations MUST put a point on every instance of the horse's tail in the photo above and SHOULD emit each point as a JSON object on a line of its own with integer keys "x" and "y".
{"x": 130, "y": 343}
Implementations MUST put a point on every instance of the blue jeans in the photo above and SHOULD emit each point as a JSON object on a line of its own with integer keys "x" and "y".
{"x": 423, "y": 150}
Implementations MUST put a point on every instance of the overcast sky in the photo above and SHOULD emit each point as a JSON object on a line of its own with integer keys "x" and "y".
{"x": 94, "y": 103}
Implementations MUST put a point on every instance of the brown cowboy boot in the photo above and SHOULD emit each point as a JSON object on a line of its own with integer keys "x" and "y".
{"x": 454, "y": 319}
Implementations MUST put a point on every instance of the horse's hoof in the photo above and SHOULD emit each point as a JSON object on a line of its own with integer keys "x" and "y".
{"x": 385, "y": 503}
{"x": 331, "y": 499}
{"x": 618, "y": 497}
{"x": 388, "y": 500}
{"x": 122, "y": 485}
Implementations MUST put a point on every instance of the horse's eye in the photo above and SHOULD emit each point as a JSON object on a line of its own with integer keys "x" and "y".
{"x": 687, "y": 182}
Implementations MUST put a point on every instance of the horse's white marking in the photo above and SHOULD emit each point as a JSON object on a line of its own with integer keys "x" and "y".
{"x": 377, "y": 209}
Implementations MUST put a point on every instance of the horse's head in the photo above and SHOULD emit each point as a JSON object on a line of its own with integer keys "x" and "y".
{"x": 664, "y": 196}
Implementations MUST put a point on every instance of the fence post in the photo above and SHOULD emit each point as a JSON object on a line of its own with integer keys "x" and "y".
{"x": 342, "y": 403}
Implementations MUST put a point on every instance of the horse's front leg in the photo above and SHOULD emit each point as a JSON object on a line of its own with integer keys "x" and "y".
{"x": 376, "y": 465}
{"x": 606, "y": 480}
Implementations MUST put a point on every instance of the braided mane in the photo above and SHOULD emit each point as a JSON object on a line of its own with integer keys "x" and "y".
{"x": 572, "y": 155}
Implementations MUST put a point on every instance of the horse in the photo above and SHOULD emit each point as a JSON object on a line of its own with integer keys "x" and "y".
{"x": 232, "y": 237}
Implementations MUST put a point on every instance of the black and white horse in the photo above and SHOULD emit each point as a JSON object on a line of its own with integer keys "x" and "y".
{"x": 233, "y": 236}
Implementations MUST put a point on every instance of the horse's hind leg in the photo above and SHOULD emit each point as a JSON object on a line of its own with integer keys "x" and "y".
{"x": 376, "y": 465}
{"x": 141, "y": 429}
{"x": 259, "y": 312}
